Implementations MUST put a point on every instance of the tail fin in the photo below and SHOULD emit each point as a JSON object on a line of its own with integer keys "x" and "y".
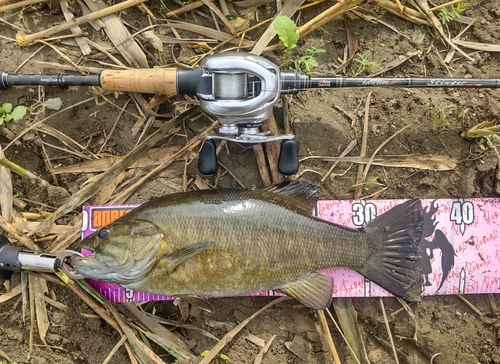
{"x": 395, "y": 261}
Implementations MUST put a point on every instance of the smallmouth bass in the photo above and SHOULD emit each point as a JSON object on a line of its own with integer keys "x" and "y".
{"x": 222, "y": 243}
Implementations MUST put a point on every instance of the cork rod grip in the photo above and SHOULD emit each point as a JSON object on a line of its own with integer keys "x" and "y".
{"x": 150, "y": 81}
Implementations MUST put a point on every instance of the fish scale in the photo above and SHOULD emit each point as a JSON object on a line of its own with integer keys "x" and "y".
{"x": 234, "y": 242}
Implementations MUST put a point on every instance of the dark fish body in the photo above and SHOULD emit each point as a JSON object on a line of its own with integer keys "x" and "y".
{"x": 234, "y": 242}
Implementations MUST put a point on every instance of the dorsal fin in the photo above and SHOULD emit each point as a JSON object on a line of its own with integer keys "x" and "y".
{"x": 302, "y": 191}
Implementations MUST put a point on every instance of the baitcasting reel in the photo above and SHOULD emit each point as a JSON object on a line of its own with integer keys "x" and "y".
{"x": 240, "y": 90}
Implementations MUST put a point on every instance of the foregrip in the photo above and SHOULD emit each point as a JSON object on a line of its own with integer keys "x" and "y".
{"x": 166, "y": 81}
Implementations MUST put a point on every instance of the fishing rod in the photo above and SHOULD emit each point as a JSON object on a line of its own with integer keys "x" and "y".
{"x": 239, "y": 89}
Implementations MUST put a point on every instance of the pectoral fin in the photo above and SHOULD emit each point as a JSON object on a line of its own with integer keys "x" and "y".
{"x": 198, "y": 301}
{"x": 314, "y": 290}
{"x": 184, "y": 253}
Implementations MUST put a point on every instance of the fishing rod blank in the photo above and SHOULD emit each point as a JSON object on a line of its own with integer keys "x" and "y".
{"x": 180, "y": 81}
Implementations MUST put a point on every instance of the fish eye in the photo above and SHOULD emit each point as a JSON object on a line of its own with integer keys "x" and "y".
{"x": 103, "y": 233}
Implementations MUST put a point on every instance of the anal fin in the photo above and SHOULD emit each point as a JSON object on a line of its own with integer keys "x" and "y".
{"x": 314, "y": 290}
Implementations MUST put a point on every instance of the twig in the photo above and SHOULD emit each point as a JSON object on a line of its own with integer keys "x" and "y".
{"x": 3, "y": 2}
{"x": 364, "y": 141}
{"x": 343, "y": 154}
{"x": 14, "y": 292}
{"x": 23, "y": 172}
{"x": 232, "y": 174}
{"x": 85, "y": 297}
{"x": 19, "y": 4}
{"x": 493, "y": 305}
{"x": 408, "y": 14}
{"x": 68, "y": 15}
{"x": 427, "y": 162}
{"x": 273, "y": 150}
{"x": 6, "y": 198}
{"x": 11, "y": 229}
{"x": 184, "y": 9}
{"x": 67, "y": 67}
{"x": 373, "y": 195}
{"x": 5, "y": 356}
{"x": 24, "y": 294}
{"x": 28, "y": 58}
{"x": 119, "y": 35}
{"x": 258, "y": 149}
{"x": 110, "y": 56}
{"x": 66, "y": 140}
{"x": 411, "y": 314}
{"x": 368, "y": 165}
{"x": 328, "y": 335}
{"x": 219, "y": 13}
{"x": 404, "y": 357}
{"x": 32, "y": 315}
{"x": 137, "y": 346}
{"x": 231, "y": 334}
{"x": 29, "y": 39}
{"x": 343, "y": 336}
{"x": 388, "y": 330}
{"x": 471, "y": 306}
{"x": 445, "y": 5}
{"x": 115, "y": 349}
{"x": 113, "y": 127}
{"x": 330, "y": 14}
{"x": 260, "y": 356}
{"x": 434, "y": 357}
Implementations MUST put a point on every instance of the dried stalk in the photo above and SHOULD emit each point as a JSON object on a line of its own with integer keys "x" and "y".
{"x": 328, "y": 15}
{"x": 362, "y": 153}
{"x": 19, "y": 4}
{"x": 23, "y": 172}
{"x": 408, "y": 14}
{"x": 120, "y": 36}
{"x": 6, "y": 199}
{"x": 29, "y": 39}
{"x": 326, "y": 332}
{"x": 11, "y": 229}
{"x": 425, "y": 162}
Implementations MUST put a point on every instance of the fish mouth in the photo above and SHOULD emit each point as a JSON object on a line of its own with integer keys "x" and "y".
{"x": 103, "y": 268}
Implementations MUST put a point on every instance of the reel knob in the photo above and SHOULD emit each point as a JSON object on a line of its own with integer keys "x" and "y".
{"x": 4, "y": 243}
{"x": 3, "y": 80}
{"x": 288, "y": 163}
{"x": 207, "y": 159}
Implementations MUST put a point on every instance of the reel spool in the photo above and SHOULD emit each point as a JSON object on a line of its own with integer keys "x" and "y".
{"x": 240, "y": 90}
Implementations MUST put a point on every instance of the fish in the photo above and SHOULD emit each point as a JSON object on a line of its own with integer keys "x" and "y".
{"x": 232, "y": 242}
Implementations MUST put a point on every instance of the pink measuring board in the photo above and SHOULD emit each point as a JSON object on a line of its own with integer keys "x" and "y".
{"x": 461, "y": 241}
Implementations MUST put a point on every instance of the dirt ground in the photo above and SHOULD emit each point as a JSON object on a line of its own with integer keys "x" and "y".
{"x": 324, "y": 122}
